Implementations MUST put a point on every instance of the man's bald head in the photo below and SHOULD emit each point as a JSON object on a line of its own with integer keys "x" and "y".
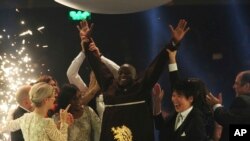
{"x": 22, "y": 97}
{"x": 242, "y": 83}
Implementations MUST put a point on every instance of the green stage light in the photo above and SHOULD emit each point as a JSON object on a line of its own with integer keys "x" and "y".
{"x": 79, "y": 15}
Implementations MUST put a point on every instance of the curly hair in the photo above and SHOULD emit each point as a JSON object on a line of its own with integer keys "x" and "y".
{"x": 67, "y": 93}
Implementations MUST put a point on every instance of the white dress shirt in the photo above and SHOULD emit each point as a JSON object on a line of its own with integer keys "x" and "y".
{"x": 183, "y": 116}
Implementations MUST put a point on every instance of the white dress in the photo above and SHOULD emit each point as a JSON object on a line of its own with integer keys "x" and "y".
{"x": 37, "y": 128}
{"x": 85, "y": 128}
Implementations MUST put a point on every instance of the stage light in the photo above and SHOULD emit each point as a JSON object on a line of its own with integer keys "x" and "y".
{"x": 79, "y": 15}
{"x": 113, "y": 6}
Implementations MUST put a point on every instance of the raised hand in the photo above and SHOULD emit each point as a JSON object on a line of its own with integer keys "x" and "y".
{"x": 220, "y": 98}
{"x": 85, "y": 31}
{"x": 212, "y": 100}
{"x": 157, "y": 91}
{"x": 157, "y": 96}
{"x": 64, "y": 114}
{"x": 179, "y": 31}
{"x": 70, "y": 119}
{"x": 94, "y": 48}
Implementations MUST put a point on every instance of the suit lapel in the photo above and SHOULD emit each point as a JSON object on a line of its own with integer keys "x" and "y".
{"x": 182, "y": 127}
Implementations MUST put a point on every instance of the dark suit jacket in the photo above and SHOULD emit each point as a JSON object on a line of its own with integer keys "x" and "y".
{"x": 17, "y": 135}
{"x": 206, "y": 110}
{"x": 239, "y": 113}
{"x": 192, "y": 129}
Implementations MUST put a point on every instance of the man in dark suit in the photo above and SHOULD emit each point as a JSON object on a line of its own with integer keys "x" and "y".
{"x": 239, "y": 111}
{"x": 188, "y": 97}
{"x": 24, "y": 106}
{"x": 187, "y": 122}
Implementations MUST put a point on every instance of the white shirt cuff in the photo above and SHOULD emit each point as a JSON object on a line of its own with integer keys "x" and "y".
{"x": 216, "y": 106}
{"x": 172, "y": 67}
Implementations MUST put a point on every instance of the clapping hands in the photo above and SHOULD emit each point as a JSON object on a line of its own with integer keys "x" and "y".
{"x": 157, "y": 96}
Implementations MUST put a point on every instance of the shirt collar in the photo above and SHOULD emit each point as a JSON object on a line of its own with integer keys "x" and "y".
{"x": 185, "y": 113}
{"x": 24, "y": 108}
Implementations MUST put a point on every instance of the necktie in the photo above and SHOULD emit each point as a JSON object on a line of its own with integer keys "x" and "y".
{"x": 178, "y": 121}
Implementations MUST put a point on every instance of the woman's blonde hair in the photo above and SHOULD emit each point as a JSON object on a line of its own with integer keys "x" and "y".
{"x": 39, "y": 92}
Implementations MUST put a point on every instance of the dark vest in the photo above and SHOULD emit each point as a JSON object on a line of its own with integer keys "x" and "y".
{"x": 17, "y": 135}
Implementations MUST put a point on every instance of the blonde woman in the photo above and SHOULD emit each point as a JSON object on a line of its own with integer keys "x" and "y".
{"x": 35, "y": 126}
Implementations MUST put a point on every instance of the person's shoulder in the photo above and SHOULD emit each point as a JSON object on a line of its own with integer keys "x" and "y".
{"x": 89, "y": 111}
{"x": 244, "y": 96}
{"x": 26, "y": 115}
{"x": 56, "y": 117}
{"x": 196, "y": 113}
{"x": 88, "y": 108}
{"x": 48, "y": 121}
{"x": 19, "y": 110}
{"x": 242, "y": 99}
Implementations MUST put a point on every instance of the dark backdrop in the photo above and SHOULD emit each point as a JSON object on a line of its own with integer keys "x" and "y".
{"x": 136, "y": 39}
